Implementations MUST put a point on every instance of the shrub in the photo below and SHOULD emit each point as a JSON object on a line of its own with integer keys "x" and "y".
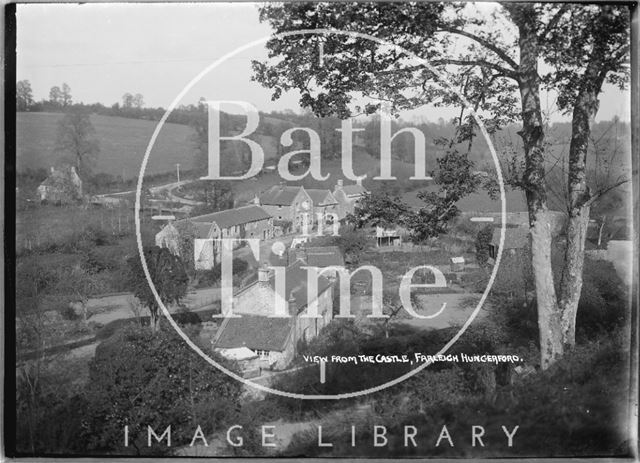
{"x": 483, "y": 240}
{"x": 169, "y": 384}
{"x": 207, "y": 278}
{"x": 603, "y": 306}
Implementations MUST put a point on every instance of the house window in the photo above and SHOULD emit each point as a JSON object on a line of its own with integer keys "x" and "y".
{"x": 263, "y": 354}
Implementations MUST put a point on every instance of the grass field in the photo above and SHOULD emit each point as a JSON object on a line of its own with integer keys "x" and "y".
{"x": 122, "y": 144}
{"x": 122, "y": 141}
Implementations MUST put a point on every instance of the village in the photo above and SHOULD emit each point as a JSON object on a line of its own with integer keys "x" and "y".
{"x": 392, "y": 239}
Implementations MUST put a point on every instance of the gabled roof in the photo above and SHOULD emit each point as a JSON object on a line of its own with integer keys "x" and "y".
{"x": 202, "y": 229}
{"x": 279, "y": 195}
{"x": 233, "y": 217}
{"x": 58, "y": 176}
{"x": 321, "y": 197}
{"x": 324, "y": 256}
{"x": 296, "y": 285}
{"x": 254, "y": 332}
{"x": 514, "y": 238}
{"x": 265, "y": 332}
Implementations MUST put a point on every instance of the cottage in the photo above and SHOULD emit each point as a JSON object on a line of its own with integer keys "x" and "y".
{"x": 62, "y": 186}
{"x": 348, "y": 196}
{"x": 275, "y": 340}
{"x": 325, "y": 205}
{"x": 287, "y": 203}
{"x": 243, "y": 222}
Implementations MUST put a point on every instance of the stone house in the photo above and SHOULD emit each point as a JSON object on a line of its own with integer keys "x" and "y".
{"x": 243, "y": 222}
{"x": 274, "y": 339}
{"x": 62, "y": 186}
{"x": 348, "y": 197}
{"x": 324, "y": 205}
{"x": 287, "y": 203}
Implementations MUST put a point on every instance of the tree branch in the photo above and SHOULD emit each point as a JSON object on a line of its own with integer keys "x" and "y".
{"x": 504, "y": 72}
{"x": 485, "y": 43}
{"x": 554, "y": 21}
{"x": 604, "y": 191}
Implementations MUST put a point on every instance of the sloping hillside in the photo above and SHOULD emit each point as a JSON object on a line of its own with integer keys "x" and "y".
{"x": 122, "y": 144}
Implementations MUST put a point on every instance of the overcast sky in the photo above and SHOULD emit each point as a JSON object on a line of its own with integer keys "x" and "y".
{"x": 105, "y": 50}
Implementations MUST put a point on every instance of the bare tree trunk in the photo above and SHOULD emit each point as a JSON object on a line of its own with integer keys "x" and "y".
{"x": 532, "y": 134}
{"x": 580, "y": 199}
{"x": 153, "y": 321}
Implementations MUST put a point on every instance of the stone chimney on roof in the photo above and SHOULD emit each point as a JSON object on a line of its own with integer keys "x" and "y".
{"x": 339, "y": 185}
{"x": 301, "y": 254}
{"x": 359, "y": 181}
{"x": 291, "y": 305}
{"x": 263, "y": 275}
{"x": 256, "y": 200}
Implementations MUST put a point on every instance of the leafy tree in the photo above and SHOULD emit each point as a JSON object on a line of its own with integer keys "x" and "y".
{"x": 168, "y": 275}
{"x": 55, "y": 95}
{"x": 456, "y": 179}
{"x": 24, "y": 95}
{"x": 483, "y": 240}
{"x": 140, "y": 379}
{"x": 138, "y": 101}
{"x": 65, "y": 95}
{"x": 127, "y": 100}
{"x": 217, "y": 195}
{"x": 495, "y": 62}
{"x": 76, "y": 139}
{"x": 378, "y": 209}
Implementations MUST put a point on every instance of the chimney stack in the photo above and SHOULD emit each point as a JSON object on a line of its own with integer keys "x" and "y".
{"x": 256, "y": 200}
{"x": 292, "y": 305}
{"x": 301, "y": 254}
{"x": 263, "y": 275}
{"x": 359, "y": 181}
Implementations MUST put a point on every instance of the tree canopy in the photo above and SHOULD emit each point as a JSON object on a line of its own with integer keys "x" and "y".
{"x": 491, "y": 57}
{"x": 168, "y": 275}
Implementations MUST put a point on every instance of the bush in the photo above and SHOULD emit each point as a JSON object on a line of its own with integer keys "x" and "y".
{"x": 603, "y": 306}
{"x": 483, "y": 240}
{"x": 207, "y": 278}
{"x": 170, "y": 384}
{"x": 574, "y": 408}
{"x": 94, "y": 262}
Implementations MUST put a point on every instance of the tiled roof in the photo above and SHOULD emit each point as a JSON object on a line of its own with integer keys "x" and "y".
{"x": 58, "y": 176}
{"x": 264, "y": 332}
{"x": 324, "y": 256}
{"x": 296, "y": 285}
{"x": 202, "y": 229}
{"x": 233, "y": 217}
{"x": 321, "y": 197}
{"x": 254, "y": 332}
{"x": 279, "y": 195}
{"x": 514, "y": 238}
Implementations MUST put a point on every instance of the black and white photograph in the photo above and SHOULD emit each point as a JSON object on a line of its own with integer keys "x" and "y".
{"x": 377, "y": 230}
